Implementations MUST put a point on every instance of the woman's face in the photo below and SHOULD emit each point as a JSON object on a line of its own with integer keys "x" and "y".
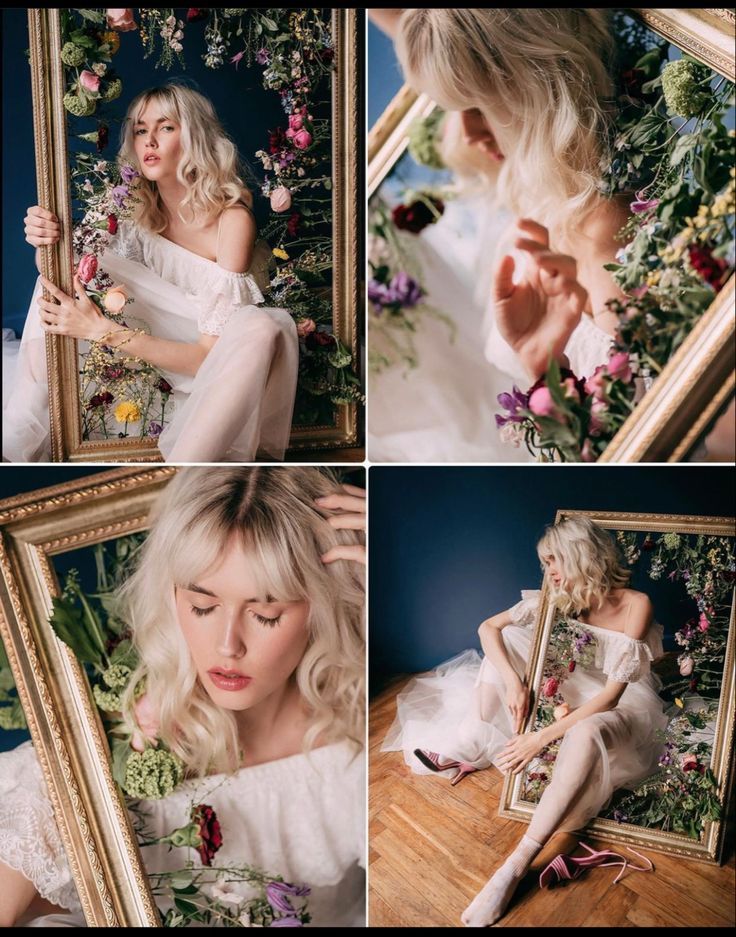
{"x": 477, "y": 133}
{"x": 157, "y": 142}
{"x": 245, "y": 646}
{"x": 553, "y": 569}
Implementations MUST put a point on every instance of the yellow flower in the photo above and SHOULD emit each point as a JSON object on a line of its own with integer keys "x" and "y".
{"x": 127, "y": 412}
{"x": 280, "y": 253}
{"x": 679, "y": 702}
{"x": 113, "y": 40}
{"x": 653, "y": 278}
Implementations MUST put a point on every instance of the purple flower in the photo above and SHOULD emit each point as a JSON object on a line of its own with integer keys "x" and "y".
{"x": 672, "y": 576}
{"x": 155, "y": 429}
{"x": 686, "y": 574}
{"x": 128, "y": 174}
{"x": 278, "y": 894}
{"x": 404, "y": 290}
{"x": 119, "y": 194}
{"x": 286, "y": 922}
{"x": 619, "y": 817}
{"x": 512, "y": 402}
{"x": 236, "y": 59}
{"x": 377, "y": 292}
{"x": 263, "y": 57}
{"x": 642, "y": 205}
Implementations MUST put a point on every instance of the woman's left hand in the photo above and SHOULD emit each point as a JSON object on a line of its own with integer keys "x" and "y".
{"x": 519, "y": 751}
{"x": 352, "y": 504}
{"x": 77, "y": 318}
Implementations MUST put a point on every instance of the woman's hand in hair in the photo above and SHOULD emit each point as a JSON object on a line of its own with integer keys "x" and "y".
{"x": 351, "y": 505}
{"x": 538, "y": 314}
{"x": 519, "y": 751}
{"x": 77, "y": 318}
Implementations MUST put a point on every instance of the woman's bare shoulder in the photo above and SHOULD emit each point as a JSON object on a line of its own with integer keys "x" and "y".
{"x": 236, "y": 239}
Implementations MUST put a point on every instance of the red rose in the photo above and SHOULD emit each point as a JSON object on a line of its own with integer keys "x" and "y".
{"x": 276, "y": 140}
{"x": 112, "y": 224}
{"x": 571, "y": 666}
{"x": 317, "y": 339}
{"x": 415, "y": 217}
{"x": 102, "y": 137}
{"x": 292, "y": 225}
{"x": 710, "y": 268}
{"x": 194, "y": 14}
{"x": 163, "y": 386}
{"x": 209, "y": 832}
{"x": 107, "y": 397}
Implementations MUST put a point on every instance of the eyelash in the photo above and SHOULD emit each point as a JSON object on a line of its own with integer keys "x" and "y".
{"x": 141, "y": 130}
{"x": 269, "y": 622}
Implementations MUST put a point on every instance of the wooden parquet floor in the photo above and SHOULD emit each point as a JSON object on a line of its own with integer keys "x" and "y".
{"x": 433, "y": 846}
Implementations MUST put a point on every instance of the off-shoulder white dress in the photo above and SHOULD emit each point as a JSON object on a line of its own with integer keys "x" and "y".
{"x": 459, "y": 709}
{"x": 301, "y": 817}
{"x": 242, "y": 396}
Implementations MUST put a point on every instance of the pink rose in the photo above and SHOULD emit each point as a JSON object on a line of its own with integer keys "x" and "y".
{"x": 281, "y": 199}
{"x": 550, "y": 687}
{"x": 87, "y": 268}
{"x": 618, "y": 367}
{"x": 587, "y": 453}
{"x": 122, "y": 20}
{"x": 89, "y": 81}
{"x": 559, "y": 712}
{"x": 542, "y": 404}
{"x": 147, "y": 718}
{"x": 703, "y": 623}
{"x": 296, "y": 122}
{"x": 305, "y": 326}
{"x": 597, "y": 382}
{"x": 114, "y": 299}
{"x": 686, "y": 666}
{"x": 302, "y": 139}
{"x": 689, "y": 762}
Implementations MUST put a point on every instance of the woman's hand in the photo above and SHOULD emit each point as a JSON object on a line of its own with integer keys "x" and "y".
{"x": 519, "y": 751}
{"x": 77, "y": 318}
{"x": 517, "y": 700}
{"x": 41, "y": 226}
{"x": 538, "y": 315}
{"x": 353, "y": 517}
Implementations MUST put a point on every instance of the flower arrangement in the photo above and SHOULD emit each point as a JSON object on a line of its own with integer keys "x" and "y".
{"x": 296, "y": 51}
{"x": 395, "y": 291}
{"x": 671, "y": 147}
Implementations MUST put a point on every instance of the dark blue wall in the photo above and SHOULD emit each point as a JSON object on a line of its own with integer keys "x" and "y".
{"x": 451, "y": 546}
{"x": 384, "y": 73}
{"x": 246, "y": 110}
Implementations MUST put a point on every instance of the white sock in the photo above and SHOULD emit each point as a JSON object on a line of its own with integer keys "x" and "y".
{"x": 491, "y": 901}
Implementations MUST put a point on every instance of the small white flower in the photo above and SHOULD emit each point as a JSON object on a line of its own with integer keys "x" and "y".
{"x": 171, "y": 21}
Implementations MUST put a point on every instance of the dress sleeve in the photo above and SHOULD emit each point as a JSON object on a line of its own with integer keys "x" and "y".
{"x": 588, "y": 347}
{"x": 525, "y": 611}
{"x": 29, "y": 838}
{"x": 623, "y": 659}
{"x": 223, "y": 293}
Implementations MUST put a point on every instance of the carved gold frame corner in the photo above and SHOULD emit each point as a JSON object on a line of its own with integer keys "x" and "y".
{"x": 65, "y": 728}
{"x": 710, "y": 848}
{"x": 53, "y": 182}
{"x": 699, "y": 378}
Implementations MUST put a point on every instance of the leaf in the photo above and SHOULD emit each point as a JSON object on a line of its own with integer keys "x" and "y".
{"x": 181, "y": 880}
{"x": 186, "y": 907}
{"x": 93, "y": 15}
{"x": 685, "y": 143}
{"x": 269, "y": 24}
{"x": 69, "y": 625}
{"x": 121, "y": 751}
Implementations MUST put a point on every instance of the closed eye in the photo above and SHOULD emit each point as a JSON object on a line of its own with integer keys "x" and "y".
{"x": 269, "y": 622}
{"x": 202, "y": 611}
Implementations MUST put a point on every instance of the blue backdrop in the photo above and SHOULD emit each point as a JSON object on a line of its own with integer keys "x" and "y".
{"x": 451, "y": 546}
{"x": 384, "y": 73}
{"x": 246, "y": 110}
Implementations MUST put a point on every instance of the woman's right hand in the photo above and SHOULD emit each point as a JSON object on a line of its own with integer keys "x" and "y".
{"x": 41, "y": 226}
{"x": 517, "y": 700}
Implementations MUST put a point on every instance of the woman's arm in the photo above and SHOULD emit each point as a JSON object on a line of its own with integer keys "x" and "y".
{"x": 602, "y": 702}
{"x": 517, "y": 694}
{"x": 16, "y": 895}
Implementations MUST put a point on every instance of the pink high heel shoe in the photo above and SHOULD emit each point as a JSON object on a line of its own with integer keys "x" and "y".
{"x": 565, "y": 867}
{"x": 432, "y": 761}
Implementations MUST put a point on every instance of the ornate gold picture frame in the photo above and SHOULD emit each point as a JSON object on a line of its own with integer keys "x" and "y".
{"x": 699, "y": 379}
{"x": 65, "y": 728}
{"x": 709, "y": 846}
{"x": 53, "y": 181}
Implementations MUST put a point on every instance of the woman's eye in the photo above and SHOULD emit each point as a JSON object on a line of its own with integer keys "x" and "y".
{"x": 202, "y": 611}
{"x": 269, "y": 622}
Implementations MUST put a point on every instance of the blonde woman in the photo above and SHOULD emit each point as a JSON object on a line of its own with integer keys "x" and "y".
{"x": 190, "y": 260}
{"x": 246, "y": 609}
{"x": 468, "y": 714}
{"x": 529, "y": 98}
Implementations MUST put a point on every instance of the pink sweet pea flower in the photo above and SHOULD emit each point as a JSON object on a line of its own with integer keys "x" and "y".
{"x": 618, "y": 367}
{"x": 541, "y": 403}
{"x": 703, "y": 623}
{"x": 587, "y": 453}
{"x": 89, "y": 81}
{"x": 597, "y": 383}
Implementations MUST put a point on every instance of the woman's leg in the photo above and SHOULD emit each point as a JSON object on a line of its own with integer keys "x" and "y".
{"x": 578, "y": 768}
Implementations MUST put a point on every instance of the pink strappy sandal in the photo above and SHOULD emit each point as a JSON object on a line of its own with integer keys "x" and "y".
{"x": 431, "y": 760}
{"x": 565, "y": 867}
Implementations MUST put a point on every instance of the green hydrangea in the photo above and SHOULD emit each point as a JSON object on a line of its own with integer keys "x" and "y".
{"x": 117, "y": 676}
{"x": 113, "y": 90}
{"x": 152, "y": 774}
{"x": 671, "y": 541}
{"x": 109, "y": 700}
{"x": 423, "y": 139}
{"x": 72, "y": 55}
{"x": 233, "y": 12}
{"x": 11, "y": 717}
{"x": 79, "y": 106}
{"x": 682, "y": 86}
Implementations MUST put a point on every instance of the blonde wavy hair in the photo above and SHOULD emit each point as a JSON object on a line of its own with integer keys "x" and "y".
{"x": 590, "y": 561}
{"x": 540, "y": 78}
{"x": 209, "y": 167}
{"x": 272, "y": 510}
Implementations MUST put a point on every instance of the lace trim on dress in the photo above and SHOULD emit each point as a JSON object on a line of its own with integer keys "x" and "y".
{"x": 588, "y": 347}
{"x": 623, "y": 658}
{"x": 525, "y": 611}
{"x": 29, "y": 839}
{"x": 217, "y": 292}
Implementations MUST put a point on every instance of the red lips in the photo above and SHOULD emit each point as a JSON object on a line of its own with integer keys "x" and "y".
{"x": 228, "y": 679}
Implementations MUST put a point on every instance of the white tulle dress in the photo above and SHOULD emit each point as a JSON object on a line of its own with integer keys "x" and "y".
{"x": 459, "y": 709}
{"x": 301, "y": 817}
{"x": 443, "y": 410}
{"x": 242, "y": 396}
